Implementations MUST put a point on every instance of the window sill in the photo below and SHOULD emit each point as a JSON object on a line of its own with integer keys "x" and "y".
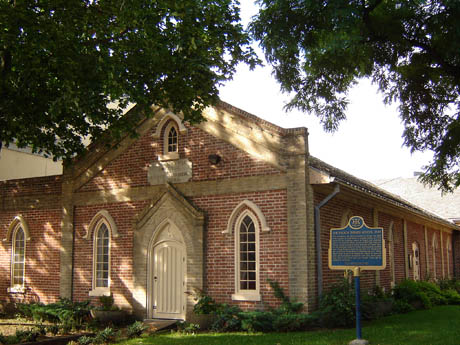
{"x": 169, "y": 156}
{"x": 97, "y": 292}
{"x": 255, "y": 297}
{"x": 16, "y": 289}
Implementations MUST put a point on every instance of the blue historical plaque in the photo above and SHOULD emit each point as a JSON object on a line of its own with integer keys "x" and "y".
{"x": 357, "y": 245}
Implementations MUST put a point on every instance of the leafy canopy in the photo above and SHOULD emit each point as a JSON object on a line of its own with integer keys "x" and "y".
{"x": 410, "y": 49}
{"x": 63, "y": 62}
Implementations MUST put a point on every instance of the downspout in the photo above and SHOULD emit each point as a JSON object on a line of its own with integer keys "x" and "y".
{"x": 319, "y": 262}
{"x": 73, "y": 254}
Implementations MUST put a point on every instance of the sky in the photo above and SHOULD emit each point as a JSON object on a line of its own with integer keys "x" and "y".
{"x": 368, "y": 145}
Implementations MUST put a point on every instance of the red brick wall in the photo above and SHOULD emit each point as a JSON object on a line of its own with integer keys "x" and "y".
{"x": 31, "y": 186}
{"x": 121, "y": 252}
{"x": 220, "y": 249}
{"x": 130, "y": 168}
{"x": 42, "y": 255}
{"x": 456, "y": 254}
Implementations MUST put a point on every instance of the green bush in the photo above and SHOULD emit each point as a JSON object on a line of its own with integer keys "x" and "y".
{"x": 295, "y": 322}
{"x": 451, "y": 296}
{"x": 450, "y": 284}
{"x": 410, "y": 292}
{"x": 227, "y": 319}
{"x": 337, "y": 306}
{"x": 205, "y": 305}
{"x": 60, "y": 312}
{"x": 107, "y": 335}
{"x": 85, "y": 340}
{"x": 433, "y": 292}
{"x": 187, "y": 327}
{"x": 135, "y": 330}
{"x": 402, "y": 307}
{"x": 257, "y": 321}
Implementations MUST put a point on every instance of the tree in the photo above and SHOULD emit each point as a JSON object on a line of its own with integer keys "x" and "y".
{"x": 64, "y": 62}
{"x": 410, "y": 49}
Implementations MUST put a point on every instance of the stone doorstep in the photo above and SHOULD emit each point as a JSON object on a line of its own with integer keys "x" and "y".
{"x": 155, "y": 325}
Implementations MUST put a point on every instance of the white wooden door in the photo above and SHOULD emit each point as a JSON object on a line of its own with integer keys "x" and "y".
{"x": 168, "y": 281}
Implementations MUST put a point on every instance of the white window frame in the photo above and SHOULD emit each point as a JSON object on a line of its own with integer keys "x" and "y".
{"x": 246, "y": 295}
{"x": 448, "y": 255}
{"x": 167, "y": 154}
{"x": 101, "y": 290}
{"x": 19, "y": 288}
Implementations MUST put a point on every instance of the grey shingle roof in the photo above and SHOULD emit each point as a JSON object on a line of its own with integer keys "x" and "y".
{"x": 353, "y": 182}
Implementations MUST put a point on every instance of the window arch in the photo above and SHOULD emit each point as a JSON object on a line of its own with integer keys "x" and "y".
{"x": 448, "y": 256}
{"x": 171, "y": 128}
{"x": 102, "y": 228}
{"x": 18, "y": 234}
{"x": 247, "y": 281}
{"x": 434, "y": 247}
{"x": 18, "y": 258}
{"x": 171, "y": 141}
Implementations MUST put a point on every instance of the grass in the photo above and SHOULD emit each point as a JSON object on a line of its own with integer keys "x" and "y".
{"x": 439, "y": 325}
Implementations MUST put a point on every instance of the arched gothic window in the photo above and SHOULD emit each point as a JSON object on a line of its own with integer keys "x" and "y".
{"x": 171, "y": 142}
{"x": 247, "y": 258}
{"x": 101, "y": 277}
{"x": 102, "y": 228}
{"x": 435, "y": 248}
{"x": 18, "y": 258}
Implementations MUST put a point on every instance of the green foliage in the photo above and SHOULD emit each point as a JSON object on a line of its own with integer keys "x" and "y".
{"x": 107, "y": 303}
{"x": 205, "y": 305}
{"x": 107, "y": 335}
{"x": 135, "y": 329}
{"x": 227, "y": 319}
{"x": 53, "y": 329}
{"x": 187, "y": 327}
{"x": 320, "y": 49}
{"x": 62, "y": 63}
{"x": 85, "y": 340}
{"x": 337, "y": 306}
{"x": 433, "y": 292}
{"x": 449, "y": 284}
{"x": 64, "y": 311}
{"x": 402, "y": 307}
{"x": 258, "y": 321}
{"x": 451, "y": 296}
{"x": 410, "y": 292}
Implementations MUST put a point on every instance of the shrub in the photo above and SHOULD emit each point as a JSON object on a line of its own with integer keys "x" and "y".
{"x": 433, "y": 292}
{"x": 107, "y": 335}
{"x": 337, "y": 306}
{"x": 135, "y": 330}
{"x": 205, "y": 305}
{"x": 187, "y": 327}
{"x": 60, "y": 312}
{"x": 451, "y": 296}
{"x": 107, "y": 303}
{"x": 450, "y": 284}
{"x": 257, "y": 321}
{"x": 85, "y": 340}
{"x": 402, "y": 307}
{"x": 227, "y": 319}
{"x": 295, "y": 322}
{"x": 410, "y": 292}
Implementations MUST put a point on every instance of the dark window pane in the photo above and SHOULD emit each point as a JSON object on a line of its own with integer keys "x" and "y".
{"x": 251, "y": 285}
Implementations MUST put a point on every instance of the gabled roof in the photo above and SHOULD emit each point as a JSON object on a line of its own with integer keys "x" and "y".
{"x": 343, "y": 178}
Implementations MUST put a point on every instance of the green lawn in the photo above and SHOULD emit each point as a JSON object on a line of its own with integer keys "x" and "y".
{"x": 440, "y": 325}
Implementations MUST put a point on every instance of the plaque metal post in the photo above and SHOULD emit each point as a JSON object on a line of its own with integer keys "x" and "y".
{"x": 356, "y": 272}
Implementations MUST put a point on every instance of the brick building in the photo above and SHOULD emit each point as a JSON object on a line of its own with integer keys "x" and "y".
{"x": 221, "y": 206}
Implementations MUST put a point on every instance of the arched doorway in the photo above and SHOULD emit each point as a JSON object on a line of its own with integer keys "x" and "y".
{"x": 167, "y": 274}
